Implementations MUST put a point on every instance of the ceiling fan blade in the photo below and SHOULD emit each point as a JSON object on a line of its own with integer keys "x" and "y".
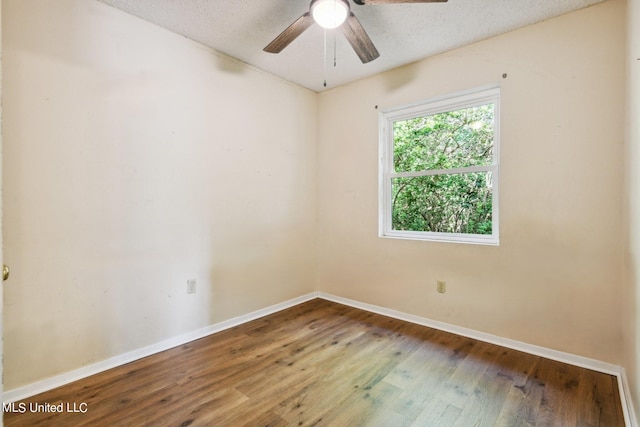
{"x": 367, "y": 2}
{"x": 359, "y": 40}
{"x": 290, "y": 34}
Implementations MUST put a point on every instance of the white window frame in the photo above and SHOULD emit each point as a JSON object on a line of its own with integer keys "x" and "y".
{"x": 473, "y": 98}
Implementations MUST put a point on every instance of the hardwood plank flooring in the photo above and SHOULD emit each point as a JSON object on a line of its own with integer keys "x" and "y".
{"x": 325, "y": 364}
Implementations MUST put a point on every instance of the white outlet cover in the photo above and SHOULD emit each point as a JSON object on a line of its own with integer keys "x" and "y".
{"x": 191, "y": 286}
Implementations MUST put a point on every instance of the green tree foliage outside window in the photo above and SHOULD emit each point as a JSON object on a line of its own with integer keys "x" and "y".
{"x": 452, "y": 196}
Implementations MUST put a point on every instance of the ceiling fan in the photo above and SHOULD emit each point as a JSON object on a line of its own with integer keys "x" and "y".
{"x": 333, "y": 14}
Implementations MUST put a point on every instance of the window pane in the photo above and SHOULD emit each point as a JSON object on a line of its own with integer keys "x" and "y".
{"x": 451, "y": 203}
{"x": 453, "y": 139}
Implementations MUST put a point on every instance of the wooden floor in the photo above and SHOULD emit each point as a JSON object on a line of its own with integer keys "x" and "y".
{"x": 325, "y": 364}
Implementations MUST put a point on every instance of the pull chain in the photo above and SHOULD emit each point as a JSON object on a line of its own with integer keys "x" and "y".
{"x": 324, "y": 62}
{"x": 334, "y": 49}
{"x": 335, "y": 60}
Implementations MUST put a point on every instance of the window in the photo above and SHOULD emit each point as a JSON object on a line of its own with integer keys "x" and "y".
{"x": 439, "y": 169}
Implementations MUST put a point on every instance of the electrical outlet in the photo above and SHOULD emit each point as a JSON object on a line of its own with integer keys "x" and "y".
{"x": 441, "y": 286}
{"x": 191, "y": 286}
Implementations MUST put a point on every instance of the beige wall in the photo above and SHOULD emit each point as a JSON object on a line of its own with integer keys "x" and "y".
{"x": 134, "y": 160}
{"x": 630, "y": 319}
{"x": 556, "y": 278}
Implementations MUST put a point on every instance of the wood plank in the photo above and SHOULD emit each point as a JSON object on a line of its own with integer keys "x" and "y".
{"x": 322, "y": 363}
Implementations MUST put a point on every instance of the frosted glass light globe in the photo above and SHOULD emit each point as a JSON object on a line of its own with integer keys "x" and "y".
{"x": 329, "y": 13}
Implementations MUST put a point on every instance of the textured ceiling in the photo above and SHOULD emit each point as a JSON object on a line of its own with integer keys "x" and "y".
{"x": 403, "y": 33}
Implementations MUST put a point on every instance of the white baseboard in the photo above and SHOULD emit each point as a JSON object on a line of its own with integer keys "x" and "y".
{"x": 560, "y": 356}
{"x": 571, "y": 359}
{"x": 625, "y": 397}
{"x": 95, "y": 368}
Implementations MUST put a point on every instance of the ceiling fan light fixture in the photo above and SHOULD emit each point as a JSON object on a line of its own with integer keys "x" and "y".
{"x": 329, "y": 13}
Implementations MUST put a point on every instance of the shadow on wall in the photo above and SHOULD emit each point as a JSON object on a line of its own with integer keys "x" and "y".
{"x": 229, "y": 65}
{"x": 400, "y": 77}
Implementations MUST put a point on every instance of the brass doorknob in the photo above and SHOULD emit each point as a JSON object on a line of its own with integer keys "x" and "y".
{"x": 5, "y": 272}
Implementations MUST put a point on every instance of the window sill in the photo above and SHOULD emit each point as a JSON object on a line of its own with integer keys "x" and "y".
{"x": 471, "y": 239}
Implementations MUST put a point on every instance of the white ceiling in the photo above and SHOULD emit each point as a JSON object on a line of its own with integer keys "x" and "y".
{"x": 402, "y": 33}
